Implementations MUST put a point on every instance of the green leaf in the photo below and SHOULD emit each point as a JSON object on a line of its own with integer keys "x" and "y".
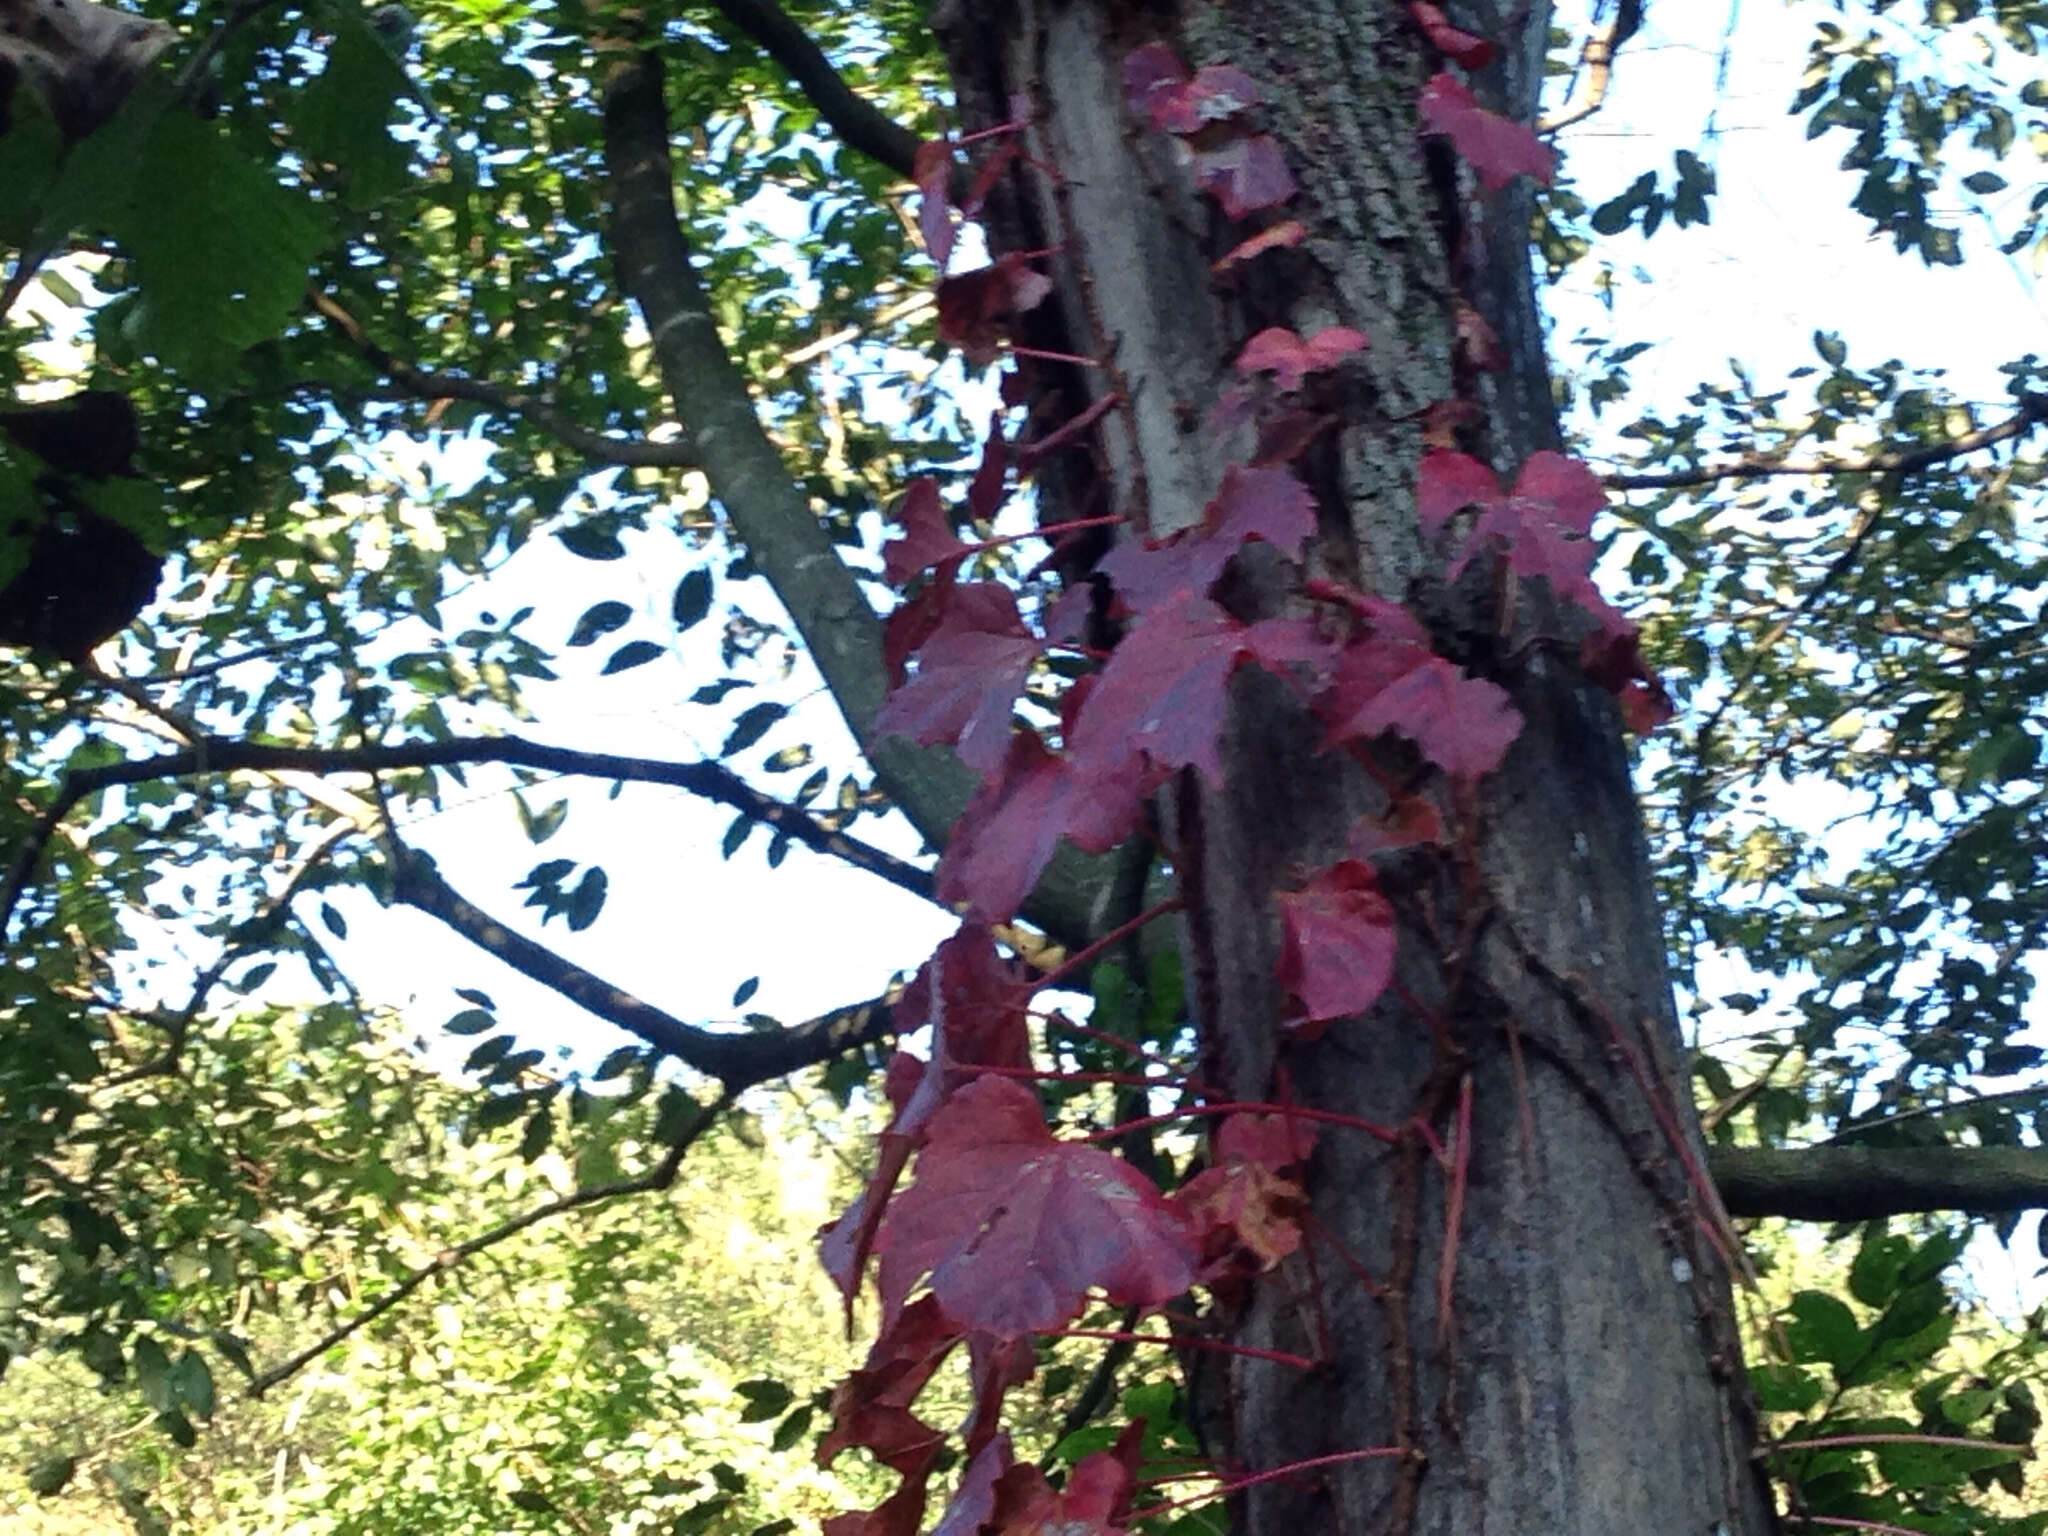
{"x": 766, "y": 1399}
{"x": 744, "y": 993}
{"x": 1984, "y": 183}
{"x": 751, "y": 725}
{"x": 152, "y": 1372}
{"x": 735, "y": 835}
{"x": 52, "y": 1473}
{"x": 599, "y": 619}
{"x": 634, "y": 653}
{"x": 1823, "y": 1329}
{"x": 693, "y": 598}
{"x": 1832, "y": 349}
{"x": 587, "y": 900}
{"x": 471, "y": 1021}
{"x": 591, "y": 541}
{"x": 191, "y": 1384}
{"x": 540, "y": 1129}
{"x": 334, "y": 922}
{"x": 791, "y": 1431}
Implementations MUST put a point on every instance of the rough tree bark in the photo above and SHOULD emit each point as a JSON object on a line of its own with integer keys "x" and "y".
{"x": 1585, "y": 1376}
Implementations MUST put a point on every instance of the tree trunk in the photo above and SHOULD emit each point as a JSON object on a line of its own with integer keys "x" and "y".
{"x": 1584, "y": 1377}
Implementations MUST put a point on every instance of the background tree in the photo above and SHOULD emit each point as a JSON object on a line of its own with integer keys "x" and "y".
{"x": 1262, "y": 289}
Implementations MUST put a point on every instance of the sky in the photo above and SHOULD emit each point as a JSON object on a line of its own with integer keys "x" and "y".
{"x": 684, "y": 928}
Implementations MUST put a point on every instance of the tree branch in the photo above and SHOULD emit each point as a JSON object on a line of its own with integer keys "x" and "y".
{"x": 859, "y": 122}
{"x": 1838, "y": 1183}
{"x": 738, "y": 1061}
{"x": 708, "y": 780}
{"x": 1597, "y": 59}
{"x": 426, "y": 385}
{"x": 771, "y": 516}
{"x": 2033, "y": 412}
{"x": 659, "y": 1177}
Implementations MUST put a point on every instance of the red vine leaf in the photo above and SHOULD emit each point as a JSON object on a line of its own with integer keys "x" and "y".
{"x": 1291, "y": 358}
{"x": 1009, "y": 830}
{"x": 1455, "y": 44}
{"x": 1265, "y": 502}
{"x": 871, "y": 1407}
{"x": 1217, "y": 93}
{"x": 928, "y": 538}
{"x": 1286, "y": 232}
{"x": 910, "y": 625}
{"x": 1498, "y": 148}
{"x": 1272, "y": 1141}
{"x": 1337, "y": 942}
{"x": 973, "y": 1503}
{"x": 1014, "y": 1228}
{"x": 985, "y": 490}
{"x": 1095, "y": 1502}
{"x": 1164, "y": 689}
{"x": 969, "y": 673}
{"x": 1464, "y": 725}
{"x": 976, "y": 308}
{"x": 1245, "y": 174}
{"x": 994, "y": 1366}
{"x": 1151, "y": 73}
{"x": 1409, "y": 821}
{"x": 1245, "y": 1216}
{"x": 898, "y": 1515}
{"x": 973, "y": 1000}
{"x": 932, "y": 170}
{"x": 1447, "y": 482}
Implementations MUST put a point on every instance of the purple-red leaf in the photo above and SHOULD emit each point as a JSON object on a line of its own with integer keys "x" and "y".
{"x": 1337, "y": 942}
{"x": 1245, "y": 174}
{"x": 1151, "y": 73}
{"x": 968, "y": 675}
{"x": 1464, "y": 725}
{"x": 1272, "y": 1141}
{"x": 1498, "y": 148}
{"x": 1164, "y": 689}
{"x": 1455, "y": 44}
{"x": 1291, "y": 358}
{"x": 976, "y": 308}
{"x": 1015, "y": 1228}
{"x": 1217, "y": 93}
{"x": 928, "y": 538}
{"x": 1447, "y": 482}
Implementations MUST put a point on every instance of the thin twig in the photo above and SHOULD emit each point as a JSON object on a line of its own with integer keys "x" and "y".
{"x": 659, "y": 1177}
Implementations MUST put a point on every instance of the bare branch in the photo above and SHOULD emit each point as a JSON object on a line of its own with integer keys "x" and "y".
{"x": 424, "y": 384}
{"x": 659, "y": 1177}
{"x": 2033, "y": 412}
{"x": 1837, "y": 1183}
{"x": 770, "y": 514}
{"x": 708, "y": 780}
{"x": 861, "y": 124}
{"x": 1597, "y": 59}
{"x": 737, "y": 1060}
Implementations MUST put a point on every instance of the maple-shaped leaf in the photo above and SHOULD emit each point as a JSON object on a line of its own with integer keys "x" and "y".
{"x": 928, "y": 538}
{"x": 1337, "y": 942}
{"x": 1291, "y": 358}
{"x": 1096, "y": 1500}
{"x": 1498, "y": 148}
{"x": 969, "y": 673}
{"x": 1447, "y": 482}
{"x": 1455, "y": 44}
{"x": 871, "y": 1406}
{"x": 1267, "y": 503}
{"x": 976, "y": 308}
{"x": 1286, "y": 232}
{"x": 1245, "y": 174}
{"x": 1216, "y": 93}
{"x": 1271, "y": 1141}
{"x": 932, "y": 170}
{"x": 1543, "y": 526}
{"x": 1464, "y": 725}
{"x": 1164, "y": 689}
{"x": 974, "y": 1002}
{"x": 1014, "y": 1228}
{"x": 1008, "y": 832}
{"x": 1245, "y": 1216}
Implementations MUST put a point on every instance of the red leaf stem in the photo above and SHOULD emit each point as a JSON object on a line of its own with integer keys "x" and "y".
{"x": 1109, "y": 940}
{"x": 1225, "y": 1490}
